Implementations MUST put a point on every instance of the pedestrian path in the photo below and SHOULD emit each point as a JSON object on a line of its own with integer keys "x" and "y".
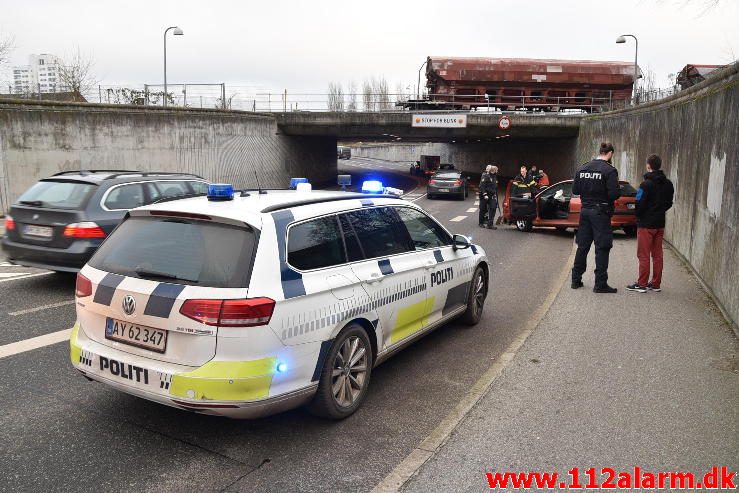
{"x": 605, "y": 380}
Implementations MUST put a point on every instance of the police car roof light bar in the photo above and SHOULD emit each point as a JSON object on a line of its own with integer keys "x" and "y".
{"x": 372, "y": 186}
{"x": 294, "y": 182}
{"x": 220, "y": 191}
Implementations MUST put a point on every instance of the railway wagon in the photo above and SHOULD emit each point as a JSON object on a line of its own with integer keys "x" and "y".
{"x": 527, "y": 84}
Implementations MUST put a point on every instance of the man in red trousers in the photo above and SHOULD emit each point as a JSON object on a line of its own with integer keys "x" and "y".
{"x": 653, "y": 199}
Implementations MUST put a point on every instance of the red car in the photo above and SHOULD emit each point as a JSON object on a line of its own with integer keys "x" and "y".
{"x": 556, "y": 207}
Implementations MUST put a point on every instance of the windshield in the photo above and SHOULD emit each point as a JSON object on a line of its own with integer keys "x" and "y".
{"x": 178, "y": 250}
{"x": 627, "y": 190}
{"x": 57, "y": 194}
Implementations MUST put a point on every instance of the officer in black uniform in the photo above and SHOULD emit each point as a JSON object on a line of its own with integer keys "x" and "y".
{"x": 597, "y": 185}
{"x": 488, "y": 197}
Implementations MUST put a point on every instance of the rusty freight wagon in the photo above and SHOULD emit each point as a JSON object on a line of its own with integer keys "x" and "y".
{"x": 526, "y": 84}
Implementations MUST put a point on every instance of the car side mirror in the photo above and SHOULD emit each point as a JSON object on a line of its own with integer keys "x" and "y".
{"x": 460, "y": 242}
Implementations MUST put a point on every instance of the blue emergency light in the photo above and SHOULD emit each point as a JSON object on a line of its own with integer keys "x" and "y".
{"x": 294, "y": 182}
{"x": 372, "y": 186}
{"x": 220, "y": 191}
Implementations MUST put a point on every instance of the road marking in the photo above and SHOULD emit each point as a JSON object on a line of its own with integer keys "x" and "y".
{"x": 472, "y": 209}
{"x": 4, "y": 275}
{"x": 477, "y": 202}
{"x": 431, "y": 445}
{"x": 40, "y": 308}
{"x": 8, "y": 264}
{"x": 419, "y": 198}
{"x": 458, "y": 219}
{"x": 34, "y": 343}
{"x": 26, "y": 276}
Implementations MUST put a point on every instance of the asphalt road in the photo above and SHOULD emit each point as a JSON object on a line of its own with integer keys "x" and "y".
{"x": 59, "y": 432}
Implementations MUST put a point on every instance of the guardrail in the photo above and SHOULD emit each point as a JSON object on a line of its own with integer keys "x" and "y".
{"x": 222, "y": 96}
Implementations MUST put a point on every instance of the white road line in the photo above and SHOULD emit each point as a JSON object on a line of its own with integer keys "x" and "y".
{"x": 431, "y": 445}
{"x": 8, "y": 264}
{"x": 458, "y": 219}
{"x": 472, "y": 209}
{"x": 477, "y": 202}
{"x": 34, "y": 343}
{"x": 4, "y": 275}
{"x": 26, "y": 276}
{"x": 40, "y": 308}
{"x": 419, "y": 198}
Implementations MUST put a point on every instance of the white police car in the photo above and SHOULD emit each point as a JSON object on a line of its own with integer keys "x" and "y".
{"x": 251, "y": 304}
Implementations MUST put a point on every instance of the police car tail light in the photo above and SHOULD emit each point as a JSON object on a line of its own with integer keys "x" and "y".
{"x": 83, "y": 287}
{"x": 86, "y": 229}
{"x": 246, "y": 313}
{"x": 230, "y": 313}
{"x": 9, "y": 223}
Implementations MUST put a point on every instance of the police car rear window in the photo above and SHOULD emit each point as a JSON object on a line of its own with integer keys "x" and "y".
{"x": 179, "y": 251}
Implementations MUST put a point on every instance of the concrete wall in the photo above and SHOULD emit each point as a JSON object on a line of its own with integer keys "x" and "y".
{"x": 697, "y": 135}
{"x": 40, "y": 139}
{"x": 555, "y": 156}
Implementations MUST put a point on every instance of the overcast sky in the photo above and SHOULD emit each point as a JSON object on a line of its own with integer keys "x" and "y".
{"x": 302, "y": 45}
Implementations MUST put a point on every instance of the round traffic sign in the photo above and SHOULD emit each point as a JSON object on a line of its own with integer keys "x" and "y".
{"x": 504, "y": 123}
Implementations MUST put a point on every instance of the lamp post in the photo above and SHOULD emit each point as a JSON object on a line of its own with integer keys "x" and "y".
{"x": 622, "y": 39}
{"x": 418, "y": 93}
{"x": 177, "y": 32}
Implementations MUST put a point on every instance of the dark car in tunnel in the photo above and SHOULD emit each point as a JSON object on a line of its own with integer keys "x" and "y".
{"x": 59, "y": 222}
{"x": 447, "y": 183}
{"x": 557, "y": 207}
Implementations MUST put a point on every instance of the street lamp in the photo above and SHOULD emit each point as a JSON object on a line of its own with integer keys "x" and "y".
{"x": 177, "y": 32}
{"x": 418, "y": 93}
{"x": 622, "y": 39}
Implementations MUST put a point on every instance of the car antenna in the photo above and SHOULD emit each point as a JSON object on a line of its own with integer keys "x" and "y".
{"x": 259, "y": 187}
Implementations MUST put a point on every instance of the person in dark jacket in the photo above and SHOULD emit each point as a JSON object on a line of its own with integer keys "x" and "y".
{"x": 522, "y": 183}
{"x": 488, "y": 196}
{"x": 596, "y": 183}
{"x": 653, "y": 199}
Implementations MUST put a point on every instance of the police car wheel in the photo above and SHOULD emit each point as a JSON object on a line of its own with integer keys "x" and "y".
{"x": 476, "y": 297}
{"x": 345, "y": 376}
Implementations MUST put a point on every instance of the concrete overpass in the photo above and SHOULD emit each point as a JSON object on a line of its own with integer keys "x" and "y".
{"x": 388, "y": 126}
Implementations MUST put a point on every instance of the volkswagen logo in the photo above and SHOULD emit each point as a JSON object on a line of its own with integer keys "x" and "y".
{"x": 129, "y": 305}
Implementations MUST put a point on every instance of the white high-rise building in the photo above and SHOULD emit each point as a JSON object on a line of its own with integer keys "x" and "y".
{"x": 40, "y": 75}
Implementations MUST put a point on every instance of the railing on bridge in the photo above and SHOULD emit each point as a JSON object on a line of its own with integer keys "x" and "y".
{"x": 247, "y": 98}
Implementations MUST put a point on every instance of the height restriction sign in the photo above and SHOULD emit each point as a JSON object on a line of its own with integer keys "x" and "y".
{"x": 504, "y": 123}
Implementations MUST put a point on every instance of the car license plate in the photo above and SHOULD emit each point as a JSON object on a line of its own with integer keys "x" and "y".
{"x": 443, "y": 189}
{"x": 631, "y": 206}
{"x": 40, "y": 231}
{"x": 136, "y": 335}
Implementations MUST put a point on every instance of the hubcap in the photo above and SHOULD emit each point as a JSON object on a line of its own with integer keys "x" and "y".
{"x": 349, "y": 372}
{"x": 520, "y": 224}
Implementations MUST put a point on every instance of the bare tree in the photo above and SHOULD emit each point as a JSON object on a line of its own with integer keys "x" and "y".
{"x": 352, "y": 106}
{"x": 6, "y": 46}
{"x": 381, "y": 93}
{"x": 367, "y": 96}
{"x": 76, "y": 76}
{"x": 335, "y": 97}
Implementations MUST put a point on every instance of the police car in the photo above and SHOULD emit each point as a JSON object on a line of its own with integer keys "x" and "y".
{"x": 249, "y": 303}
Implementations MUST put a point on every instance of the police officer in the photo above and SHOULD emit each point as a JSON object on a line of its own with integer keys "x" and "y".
{"x": 597, "y": 185}
{"x": 488, "y": 196}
